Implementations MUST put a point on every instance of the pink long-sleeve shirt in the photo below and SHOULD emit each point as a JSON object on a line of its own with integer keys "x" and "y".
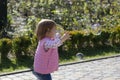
{"x": 46, "y": 56}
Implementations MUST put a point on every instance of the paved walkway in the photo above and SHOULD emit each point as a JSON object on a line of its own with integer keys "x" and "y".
{"x": 105, "y": 69}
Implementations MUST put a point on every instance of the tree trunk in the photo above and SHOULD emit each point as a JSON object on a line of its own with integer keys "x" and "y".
{"x": 3, "y": 14}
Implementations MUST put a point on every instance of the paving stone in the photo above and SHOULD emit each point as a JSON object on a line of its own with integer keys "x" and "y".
{"x": 6, "y": 79}
{"x": 105, "y": 69}
{"x": 18, "y": 78}
{"x": 109, "y": 78}
{"x": 87, "y": 78}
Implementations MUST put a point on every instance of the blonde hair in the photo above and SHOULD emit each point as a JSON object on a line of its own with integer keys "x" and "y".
{"x": 43, "y": 27}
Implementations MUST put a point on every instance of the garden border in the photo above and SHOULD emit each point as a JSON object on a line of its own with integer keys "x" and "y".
{"x": 83, "y": 61}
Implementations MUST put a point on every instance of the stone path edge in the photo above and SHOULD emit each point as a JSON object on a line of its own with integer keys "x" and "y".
{"x": 83, "y": 61}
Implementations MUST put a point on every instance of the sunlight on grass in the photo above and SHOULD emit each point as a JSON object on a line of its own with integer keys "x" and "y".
{"x": 13, "y": 65}
{"x": 27, "y": 64}
{"x": 75, "y": 59}
{"x": 103, "y": 55}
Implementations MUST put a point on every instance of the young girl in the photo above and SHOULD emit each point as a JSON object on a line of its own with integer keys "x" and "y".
{"x": 46, "y": 56}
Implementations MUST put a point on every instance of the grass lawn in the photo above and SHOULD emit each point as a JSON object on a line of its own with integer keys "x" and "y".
{"x": 27, "y": 62}
{"x": 75, "y": 59}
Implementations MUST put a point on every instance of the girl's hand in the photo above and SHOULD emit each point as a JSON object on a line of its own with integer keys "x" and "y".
{"x": 65, "y": 36}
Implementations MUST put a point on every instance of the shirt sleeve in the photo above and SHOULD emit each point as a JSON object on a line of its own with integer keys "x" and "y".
{"x": 52, "y": 43}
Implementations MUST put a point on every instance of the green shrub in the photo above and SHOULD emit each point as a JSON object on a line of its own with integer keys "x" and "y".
{"x": 81, "y": 40}
{"x": 115, "y": 36}
{"x": 77, "y": 39}
{"x": 5, "y": 47}
{"x": 21, "y": 45}
{"x": 33, "y": 45}
{"x": 96, "y": 40}
{"x": 105, "y": 35}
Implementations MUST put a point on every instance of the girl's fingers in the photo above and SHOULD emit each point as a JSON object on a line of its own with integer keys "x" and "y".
{"x": 68, "y": 36}
{"x": 66, "y": 32}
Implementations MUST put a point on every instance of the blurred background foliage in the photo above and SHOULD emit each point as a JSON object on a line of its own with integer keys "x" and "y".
{"x": 71, "y": 14}
{"x": 93, "y": 24}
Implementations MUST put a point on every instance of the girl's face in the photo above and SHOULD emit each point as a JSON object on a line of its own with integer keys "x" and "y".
{"x": 51, "y": 33}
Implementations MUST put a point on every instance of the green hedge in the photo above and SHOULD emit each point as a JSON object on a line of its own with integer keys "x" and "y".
{"x": 5, "y": 48}
{"x": 25, "y": 45}
{"x": 82, "y": 41}
{"x": 20, "y": 46}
